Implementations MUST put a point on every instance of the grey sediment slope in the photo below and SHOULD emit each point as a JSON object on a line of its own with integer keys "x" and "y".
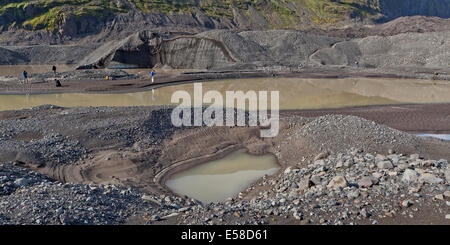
{"x": 282, "y": 50}
{"x": 286, "y": 49}
{"x": 44, "y": 54}
{"x": 9, "y": 57}
{"x": 403, "y": 50}
{"x": 211, "y": 50}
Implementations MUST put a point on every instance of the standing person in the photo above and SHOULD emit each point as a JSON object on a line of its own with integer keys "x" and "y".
{"x": 152, "y": 74}
{"x": 25, "y": 77}
{"x": 54, "y": 70}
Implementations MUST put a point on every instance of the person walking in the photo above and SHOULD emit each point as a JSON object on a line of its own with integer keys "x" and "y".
{"x": 54, "y": 71}
{"x": 152, "y": 74}
{"x": 25, "y": 77}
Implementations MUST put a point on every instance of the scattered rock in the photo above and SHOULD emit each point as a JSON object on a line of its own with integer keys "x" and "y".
{"x": 430, "y": 178}
{"x": 170, "y": 215}
{"x": 414, "y": 156}
{"x": 447, "y": 194}
{"x": 21, "y": 182}
{"x": 321, "y": 156}
{"x": 410, "y": 176}
{"x": 287, "y": 170}
{"x": 447, "y": 175}
{"x": 297, "y": 215}
{"x": 364, "y": 213}
{"x": 353, "y": 194}
{"x": 385, "y": 165}
{"x": 377, "y": 175}
{"x": 406, "y": 203}
{"x": 365, "y": 182}
{"x": 304, "y": 184}
{"x": 439, "y": 197}
{"x": 316, "y": 180}
{"x": 151, "y": 199}
{"x": 155, "y": 218}
{"x": 337, "y": 183}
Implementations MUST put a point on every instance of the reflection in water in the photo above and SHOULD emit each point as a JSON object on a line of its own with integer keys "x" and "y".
{"x": 217, "y": 180}
{"x": 295, "y": 93}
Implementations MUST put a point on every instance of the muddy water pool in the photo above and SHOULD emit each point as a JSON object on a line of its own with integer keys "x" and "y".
{"x": 218, "y": 180}
{"x": 295, "y": 93}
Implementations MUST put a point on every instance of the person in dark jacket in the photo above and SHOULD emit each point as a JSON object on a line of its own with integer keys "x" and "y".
{"x": 25, "y": 77}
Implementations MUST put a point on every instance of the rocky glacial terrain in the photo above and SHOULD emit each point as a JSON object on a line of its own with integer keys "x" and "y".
{"x": 57, "y": 22}
{"x": 382, "y": 36}
{"x": 352, "y": 187}
{"x": 280, "y": 48}
{"x": 109, "y": 165}
{"x": 414, "y": 55}
{"x": 348, "y": 188}
{"x": 335, "y": 170}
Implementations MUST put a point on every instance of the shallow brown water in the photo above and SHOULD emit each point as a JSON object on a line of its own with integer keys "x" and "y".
{"x": 295, "y": 93}
{"x": 217, "y": 180}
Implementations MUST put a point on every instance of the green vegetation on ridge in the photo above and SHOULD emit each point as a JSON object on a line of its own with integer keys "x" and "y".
{"x": 50, "y": 14}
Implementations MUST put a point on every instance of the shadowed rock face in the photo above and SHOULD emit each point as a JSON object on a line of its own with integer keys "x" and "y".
{"x": 147, "y": 49}
{"x": 134, "y": 50}
{"x": 209, "y": 50}
{"x": 9, "y": 57}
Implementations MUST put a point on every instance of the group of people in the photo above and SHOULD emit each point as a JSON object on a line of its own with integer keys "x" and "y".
{"x": 27, "y": 81}
{"x": 58, "y": 83}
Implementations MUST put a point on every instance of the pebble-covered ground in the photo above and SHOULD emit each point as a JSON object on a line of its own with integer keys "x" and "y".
{"x": 51, "y": 134}
{"x": 353, "y": 187}
{"x": 352, "y": 181}
{"x": 27, "y": 197}
{"x": 75, "y": 75}
{"x": 348, "y": 188}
